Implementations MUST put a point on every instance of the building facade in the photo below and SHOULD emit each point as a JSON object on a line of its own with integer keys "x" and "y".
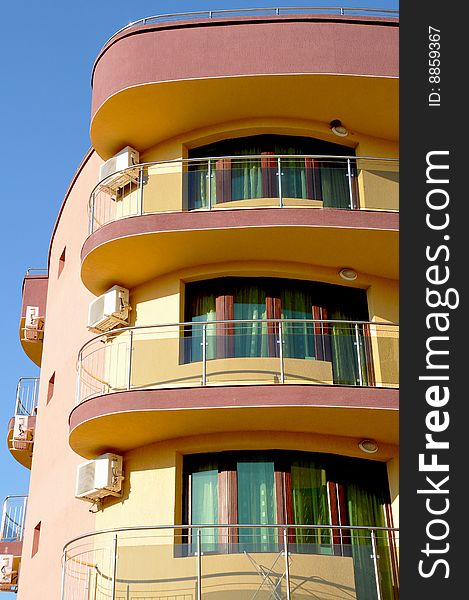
{"x": 217, "y": 410}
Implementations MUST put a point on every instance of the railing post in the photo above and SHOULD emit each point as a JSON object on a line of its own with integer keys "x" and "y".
{"x": 23, "y": 516}
{"x": 359, "y": 358}
{"x": 62, "y": 581}
{"x": 287, "y": 564}
{"x": 91, "y": 224}
{"x": 140, "y": 199}
{"x": 209, "y": 185}
{"x": 4, "y": 516}
{"x": 35, "y": 395}
{"x": 199, "y": 566}
{"x": 280, "y": 190}
{"x": 131, "y": 346}
{"x": 78, "y": 398}
{"x": 18, "y": 393}
{"x": 280, "y": 352}
{"x": 375, "y": 563}
{"x": 114, "y": 568}
{"x": 204, "y": 354}
{"x": 350, "y": 184}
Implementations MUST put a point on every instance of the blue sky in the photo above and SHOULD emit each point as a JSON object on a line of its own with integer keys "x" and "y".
{"x": 47, "y": 52}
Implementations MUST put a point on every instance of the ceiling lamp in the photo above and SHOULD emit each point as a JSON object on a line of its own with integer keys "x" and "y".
{"x": 348, "y": 274}
{"x": 338, "y": 128}
{"x": 368, "y": 446}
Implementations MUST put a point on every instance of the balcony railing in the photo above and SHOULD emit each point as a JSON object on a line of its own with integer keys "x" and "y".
{"x": 27, "y": 390}
{"x": 240, "y": 352}
{"x": 252, "y": 181}
{"x": 259, "y": 12}
{"x": 13, "y": 517}
{"x": 279, "y": 562}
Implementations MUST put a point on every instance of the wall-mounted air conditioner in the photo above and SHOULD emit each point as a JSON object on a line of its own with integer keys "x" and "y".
{"x": 109, "y": 310}
{"x": 6, "y": 568}
{"x": 33, "y": 325}
{"x": 127, "y": 157}
{"x": 22, "y": 433}
{"x": 99, "y": 477}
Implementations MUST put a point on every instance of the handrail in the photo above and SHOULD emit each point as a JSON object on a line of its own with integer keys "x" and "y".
{"x": 203, "y": 159}
{"x": 271, "y": 11}
{"x": 13, "y": 518}
{"x": 331, "y": 352}
{"x": 312, "y": 181}
{"x": 372, "y": 551}
{"x": 118, "y": 330}
{"x": 227, "y": 526}
{"x": 36, "y": 271}
{"x": 26, "y": 398}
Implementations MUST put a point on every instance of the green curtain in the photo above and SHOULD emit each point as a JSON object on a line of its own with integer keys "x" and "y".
{"x": 298, "y": 337}
{"x": 349, "y": 359}
{"x": 334, "y": 184}
{"x": 310, "y": 506}
{"x": 250, "y": 338}
{"x": 199, "y": 187}
{"x": 366, "y": 507}
{"x": 202, "y": 309}
{"x": 257, "y": 504}
{"x": 246, "y": 175}
{"x": 204, "y": 503}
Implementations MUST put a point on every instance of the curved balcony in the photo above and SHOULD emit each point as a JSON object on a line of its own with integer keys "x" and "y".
{"x": 22, "y": 426}
{"x": 11, "y": 541}
{"x": 33, "y": 310}
{"x": 235, "y": 203}
{"x": 227, "y": 561}
{"x": 142, "y": 71}
{"x": 142, "y": 384}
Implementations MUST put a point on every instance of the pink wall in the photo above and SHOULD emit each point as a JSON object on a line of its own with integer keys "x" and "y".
{"x": 227, "y": 48}
{"x": 34, "y": 293}
{"x": 52, "y": 486}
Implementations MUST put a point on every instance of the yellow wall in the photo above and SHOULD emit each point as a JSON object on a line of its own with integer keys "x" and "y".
{"x": 159, "y": 301}
{"x": 163, "y": 188}
{"x": 153, "y": 474}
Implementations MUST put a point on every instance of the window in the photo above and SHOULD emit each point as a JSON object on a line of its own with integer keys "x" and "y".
{"x": 50, "y": 388}
{"x": 61, "y": 263}
{"x": 253, "y": 308}
{"x": 302, "y": 177}
{"x": 284, "y": 487}
{"x": 36, "y": 536}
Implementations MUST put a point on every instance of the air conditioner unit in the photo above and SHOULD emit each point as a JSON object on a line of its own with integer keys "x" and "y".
{"x": 99, "y": 477}
{"x": 109, "y": 310}
{"x": 124, "y": 159}
{"x": 33, "y": 324}
{"x": 22, "y": 433}
{"x": 6, "y": 568}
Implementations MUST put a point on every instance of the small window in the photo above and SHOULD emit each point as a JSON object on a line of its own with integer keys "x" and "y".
{"x": 50, "y": 389}
{"x": 61, "y": 262}
{"x": 36, "y": 536}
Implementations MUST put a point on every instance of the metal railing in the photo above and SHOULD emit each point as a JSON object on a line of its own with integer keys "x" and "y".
{"x": 27, "y": 390}
{"x": 37, "y": 271}
{"x": 251, "y": 181}
{"x": 279, "y": 562}
{"x": 242, "y": 12}
{"x": 249, "y": 352}
{"x": 13, "y": 518}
